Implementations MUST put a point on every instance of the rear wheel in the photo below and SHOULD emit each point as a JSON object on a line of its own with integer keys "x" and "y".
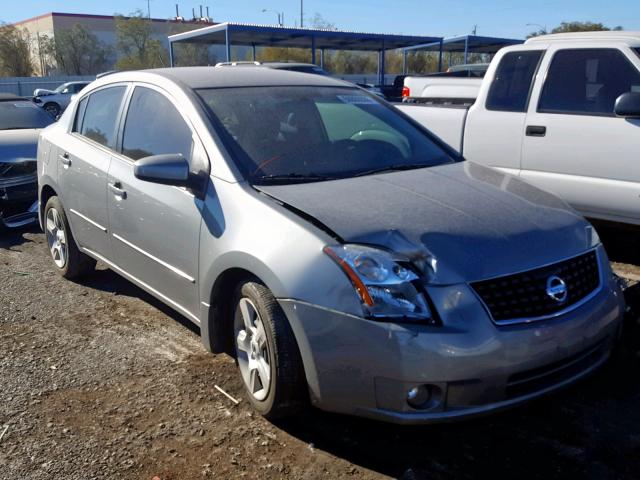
{"x": 69, "y": 261}
{"x": 266, "y": 353}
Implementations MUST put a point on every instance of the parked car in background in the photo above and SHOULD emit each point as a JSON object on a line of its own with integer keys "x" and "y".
{"x": 298, "y": 67}
{"x": 20, "y": 124}
{"x": 339, "y": 251}
{"x": 473, "y": 70}
{"x": 561, "y": 111}
{"x": 393, "y": 93}
{"x": 55, "y": 101}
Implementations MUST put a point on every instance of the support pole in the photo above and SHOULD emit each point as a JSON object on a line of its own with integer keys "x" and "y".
{"x": 253, "y": 49}
{"x": 313, "y": 49}
{"x": 404, "y": 62}
{"x": 322, "y": 58}
{"x": 171, "y": 54}
{"x": 466, "y": 50}
{"x": 440, "y": 56}
{"x": 381, "y": 66}
{"x": 227, "y": 41}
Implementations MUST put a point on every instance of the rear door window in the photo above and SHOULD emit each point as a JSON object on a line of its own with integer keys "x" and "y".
{"x": 587, "y": 81}
{"x": 99, "y": 122}
{"x": 511, "y": 84}
{"x": 154, "y": 127}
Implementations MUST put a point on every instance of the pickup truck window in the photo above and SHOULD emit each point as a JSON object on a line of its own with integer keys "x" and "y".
{"x": 298, "y": 134}
{"x": 587, "y": 81}
{"x": 512, "y": 81}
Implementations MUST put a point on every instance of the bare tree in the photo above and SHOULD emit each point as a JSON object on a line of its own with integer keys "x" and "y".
{"x": 77, "y": 51}
{"x": 15, "y": 52}
{"x": 136, "y": 45}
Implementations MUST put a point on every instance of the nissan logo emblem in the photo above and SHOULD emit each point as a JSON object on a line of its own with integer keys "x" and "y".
{"x": 557, "y": 289}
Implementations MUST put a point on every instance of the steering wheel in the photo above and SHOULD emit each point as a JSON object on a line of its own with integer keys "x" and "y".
{"x": 380, "y": 135}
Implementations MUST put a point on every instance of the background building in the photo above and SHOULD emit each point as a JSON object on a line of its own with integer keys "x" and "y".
{"x": 103, "y": 27}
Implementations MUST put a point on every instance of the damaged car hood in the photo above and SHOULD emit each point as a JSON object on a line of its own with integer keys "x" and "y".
{"x": 18, "y": 145}
{"x": 469, "y": 221}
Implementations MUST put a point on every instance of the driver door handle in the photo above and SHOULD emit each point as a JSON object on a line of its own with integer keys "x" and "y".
{"x": 536, "y": 131}
{"x": 116, "y": 189}
{"x": 66, "y": 161}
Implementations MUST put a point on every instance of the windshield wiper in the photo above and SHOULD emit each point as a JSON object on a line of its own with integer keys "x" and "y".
{"x": 294, "y": 178}
{"x": 391, "y": 168}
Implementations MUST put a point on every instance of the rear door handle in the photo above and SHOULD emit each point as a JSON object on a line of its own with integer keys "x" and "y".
{"x": 536, "y": 131}
{"x": 117, "y": 190}
{"x": 66, "y": 161}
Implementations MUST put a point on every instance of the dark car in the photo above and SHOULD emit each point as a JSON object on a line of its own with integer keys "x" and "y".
{"x": 20, "y": 124}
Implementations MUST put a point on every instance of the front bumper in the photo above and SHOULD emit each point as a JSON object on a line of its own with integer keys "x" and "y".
{"x": 366, "y": 368}
{"x": 18, "y": 202}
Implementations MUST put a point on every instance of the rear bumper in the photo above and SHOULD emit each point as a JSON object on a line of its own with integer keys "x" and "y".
{"x": 366, "y": 368}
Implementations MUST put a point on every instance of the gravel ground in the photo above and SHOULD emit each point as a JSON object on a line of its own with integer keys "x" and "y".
{"x": 98, "y": 380}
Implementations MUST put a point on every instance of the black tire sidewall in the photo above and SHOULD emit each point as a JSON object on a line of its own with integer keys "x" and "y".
{"x": 54, "y": 106}
{"x": 77, "y": 262}
{"x": 280, "y": 401}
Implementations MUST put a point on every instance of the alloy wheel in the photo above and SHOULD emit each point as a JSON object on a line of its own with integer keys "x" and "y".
{"x": 56, "y": 238}
{"x": 252, "y": 349}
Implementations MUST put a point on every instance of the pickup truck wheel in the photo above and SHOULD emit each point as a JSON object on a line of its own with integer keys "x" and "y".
{"x": 52, "y": 109}
{"x": 69, "y": 261}
{"x": 266, "y": 353}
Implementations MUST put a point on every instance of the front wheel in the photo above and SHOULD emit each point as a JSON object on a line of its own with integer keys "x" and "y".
{"x": 70, "y": 262}
{"x": 52, "y": 109}
{"x": 267, "y": 354}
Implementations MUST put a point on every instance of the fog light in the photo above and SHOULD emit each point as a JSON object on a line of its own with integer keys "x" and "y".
{"x": 419, "y": 397}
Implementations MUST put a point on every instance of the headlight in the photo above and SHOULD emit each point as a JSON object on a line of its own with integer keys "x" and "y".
{"x": 384, "y": 285}
{"x": 593, "y": 240}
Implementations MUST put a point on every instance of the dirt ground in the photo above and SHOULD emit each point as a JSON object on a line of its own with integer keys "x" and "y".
{"x": 98, "y": 380}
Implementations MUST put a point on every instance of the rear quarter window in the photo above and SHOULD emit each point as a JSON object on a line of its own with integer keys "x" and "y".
{"x": 512, "y": 81}
{"x": 101, "y": 114}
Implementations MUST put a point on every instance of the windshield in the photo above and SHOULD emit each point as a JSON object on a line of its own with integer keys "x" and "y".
{"x": 296, "y": 134}
{"x": 22, "y": 114}
{"x": 61, "y": 88}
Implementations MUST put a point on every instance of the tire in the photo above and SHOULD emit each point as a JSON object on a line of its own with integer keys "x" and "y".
{"x": 52, "y": 109}
{"x": 286, "y": 389}
{"x": 68, "y": 260}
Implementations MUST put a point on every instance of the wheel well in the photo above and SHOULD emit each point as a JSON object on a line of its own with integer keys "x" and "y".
{"x": 45, "y": 194}
{"x": 221, "y": 311}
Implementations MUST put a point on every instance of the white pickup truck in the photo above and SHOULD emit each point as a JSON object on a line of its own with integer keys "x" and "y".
{"x": 561, "y": 111}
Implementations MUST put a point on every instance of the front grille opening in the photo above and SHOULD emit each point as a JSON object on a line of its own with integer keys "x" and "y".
{"x": 524, "y": 295}
{"x": 534, "y": 380}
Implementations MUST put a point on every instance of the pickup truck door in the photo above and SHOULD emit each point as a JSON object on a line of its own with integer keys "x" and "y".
{"x": 155, "y": 227}
{"x": 495, "y": 122}
{"x": 84, "y": 156}
{"x": 574, "y": 145}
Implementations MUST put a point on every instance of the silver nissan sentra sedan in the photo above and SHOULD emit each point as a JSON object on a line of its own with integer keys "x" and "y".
{"x": 339, "y": 251}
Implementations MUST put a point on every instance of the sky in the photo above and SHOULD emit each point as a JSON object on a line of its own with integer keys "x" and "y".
{"x": 503, "y": 18}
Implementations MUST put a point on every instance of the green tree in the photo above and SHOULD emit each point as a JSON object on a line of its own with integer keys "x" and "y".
{"x": 77, "y": 51}
{"x": 15, "y": 52}
{"x": 135, "y": 44}
{"x": 565, "y": 27}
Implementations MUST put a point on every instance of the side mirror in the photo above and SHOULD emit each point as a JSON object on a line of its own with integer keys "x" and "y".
{"x": 168, "y": 169}
{"x": 628, "y": 105}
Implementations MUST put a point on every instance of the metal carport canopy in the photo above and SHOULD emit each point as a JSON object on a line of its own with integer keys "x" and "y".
{"x": 229, "y": 34}
{"x": 467, "y": 44}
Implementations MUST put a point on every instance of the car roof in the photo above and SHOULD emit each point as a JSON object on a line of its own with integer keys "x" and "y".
{"x": 212, "y": 77}
{"x": 611, "y": 35}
